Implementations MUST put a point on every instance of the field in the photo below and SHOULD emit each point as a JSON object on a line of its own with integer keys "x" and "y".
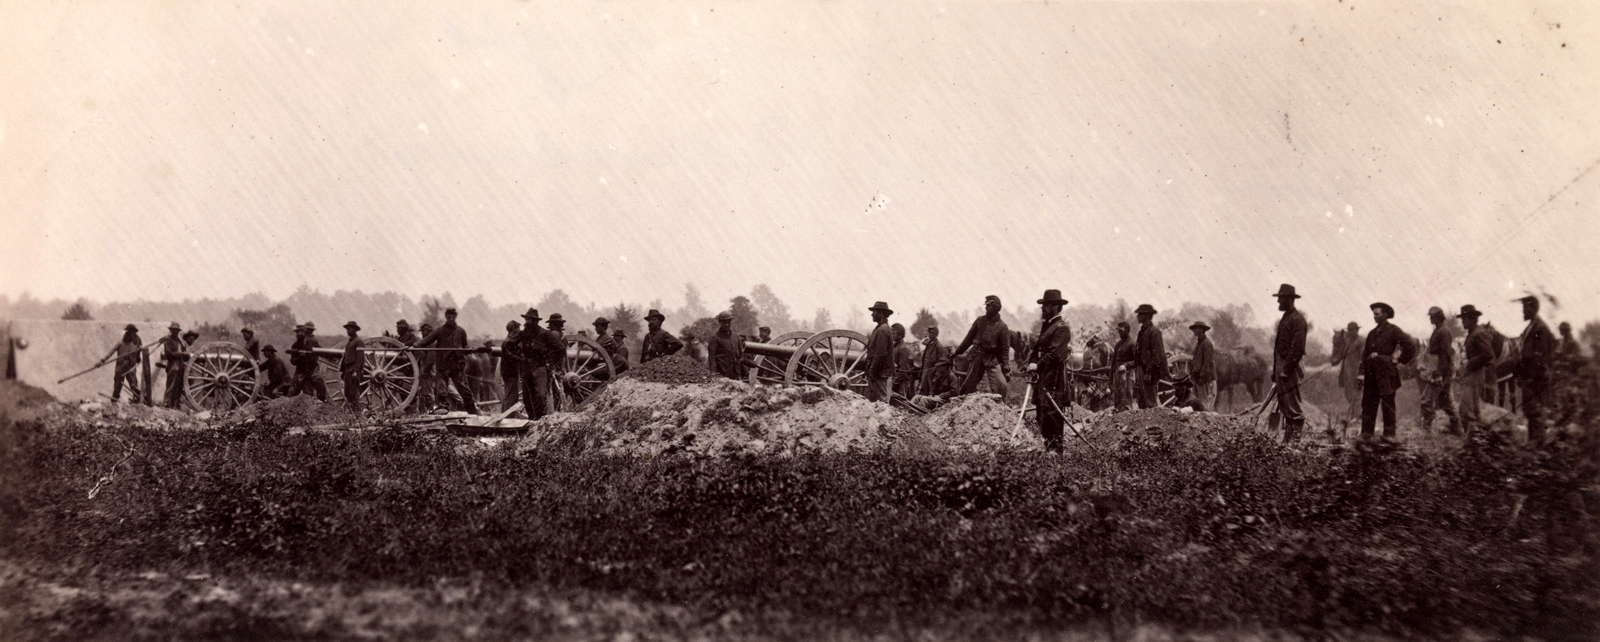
{"x": 1157, "y": 525}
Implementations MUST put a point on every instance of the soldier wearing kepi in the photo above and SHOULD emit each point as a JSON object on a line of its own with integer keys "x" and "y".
{"x": 350, "y": 364}
{"x": 452, "y": 363}
{"x": 989, "y": 339}
{"x": 657, "y": 342}
{"x": 306, "y": 378}
{"x": 880, "y": 354}
{"x": 935, "y": 364}
{"x": 1437, "y": 389}
{"x": 1479, "y": 366}
{"x": 1288, "y": 348}
{"x": 1150, "y": 352}
{"x": 1380, "y": 370}
{"x": 620, "y": 357}
{"x": 127, "y": 353}
{"x": 173, "y": 355}
{"x": 725, "y": 350}
{"x": 1049, "y": 364}
{"x": 1203, "y": 366}
{"x": 1537, "y": 353}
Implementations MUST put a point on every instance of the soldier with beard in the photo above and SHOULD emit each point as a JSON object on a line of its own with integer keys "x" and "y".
{"x": 1049, "y": 364}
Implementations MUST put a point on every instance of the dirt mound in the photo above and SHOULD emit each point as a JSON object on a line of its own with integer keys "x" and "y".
{"x": 1195, "y": 429}
{"x": 136, "y": 415}
{"x": 671, "y": 369}
{"x": 718, "y": 418}
{"x": 288, "y": 412}
{"x": 981, "y": 422}
{"x": 22, "y": 401}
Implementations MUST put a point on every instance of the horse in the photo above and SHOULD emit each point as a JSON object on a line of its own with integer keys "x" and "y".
{"x": 1242, "y": 366}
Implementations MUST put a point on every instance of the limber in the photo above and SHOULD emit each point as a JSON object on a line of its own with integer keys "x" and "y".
{"x": 1235, "y": 531}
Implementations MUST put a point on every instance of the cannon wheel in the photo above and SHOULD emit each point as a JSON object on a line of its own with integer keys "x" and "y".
{"x": 389, "y": 378}
{"x": 585, "y": 370}
{"x": 836, "y": 359}
{"x": 769, "y": 371}
{"x": 220, "y": 377}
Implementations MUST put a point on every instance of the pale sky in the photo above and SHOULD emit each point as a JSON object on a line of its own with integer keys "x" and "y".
{"x": 921, "y": 153}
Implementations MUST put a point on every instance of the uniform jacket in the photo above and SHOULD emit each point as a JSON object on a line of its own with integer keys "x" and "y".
{"x": 277, "y": 373}
{"x": 508, "y": 356}
{"x": 127, "y": 356}
{"x": 659, "y": 343}
{"x": 1350, "y": 361}
{"x": 904, "y": 368}
{"x": 350, "y": 362}
{"x": 880, "y": 352}
{"x": 989, "y": 338}
{"x": 725, "y": 355}
{"x": 1050, "y": 354}
{"x": 1480, "y": 350}
{"x": 1538, "y": 351}
{"x": 1441, "y": 344}
{"x": 935, "y": 362}
{"x": 1289, "y": 345}
{"x": 1378, "y": 362}
{"x": 1203, "y": 365}
{"x": 173, "y": 352}
{"x": 448, "y": 335}
{"x": 1151, "y": 352}
{"x": 1125, "y": 351}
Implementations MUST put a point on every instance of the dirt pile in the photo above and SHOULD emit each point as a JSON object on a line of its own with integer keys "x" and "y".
{"x": 720, "y": 418}
{"x": 299, "y": 411}
{"x": 671, "y": 369}
{"x": 20, "y": 400}
{"x": 1195, "y": 429}
{"x": 136, "y": 415}
{"x": 982, "y": 422}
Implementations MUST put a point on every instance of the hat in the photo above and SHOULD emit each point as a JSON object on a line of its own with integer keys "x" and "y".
{"x": 531, "y": 314}
{"x": 130, "y": 328}
{"x": 191, "y": 333}
{"x": 351, "y": 325}
{"x": 1356, "y": 326}
{"x": 1435, "y": 310}
{"x": 427, "y": 326}
{"x": 1388, "y": 310}
{"x": 1052, "y": 296}
{"x": 512, "y": 325}
{"x": 885, "y": 307}
{"x": 311, "y": 325}
{"x": 1123, "y": 324}
{"x": 602, "y": 321}
{"x": 991, "y": 297}
{"x": 269, "y": 348}
{"x": 174, "y": 326}
{"x": 655, "y": 314}
{"x": 724, "y": 316}
{"x": 244, "y": 330}
{"x": 555, "y": 320}
{"x": 617, "y": 333}
{"x": 402, "y": 325}
{"x": 1527, "y": 299}
{"x": 1286, "y": 290}
{"x": 1469, "y": 310}
{"x": 1144, "y": 308}
{"x": 299, "y": 326}
{"x": 449, "y": 311}
{"x": 1199, "y": 325}
{"x": 764, "y": 329}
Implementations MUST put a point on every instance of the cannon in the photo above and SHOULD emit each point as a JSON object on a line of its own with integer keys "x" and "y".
{"x": 834, "y": 358}
{"x": 221, "y": 376}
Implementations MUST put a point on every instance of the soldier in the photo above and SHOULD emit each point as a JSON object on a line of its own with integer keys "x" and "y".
{"x": 905, "y": 372}
{"x": 1122, "y": 365}
{"x": 1049, "y": 364}
{"x": 1532, "y": 370}
{"x": 725, "y": 350}
{"x": 765, "y": 335}
{"x": 424, "y": 374}
{"x": 1203, "y": 366}
{"x": 1380, "y": 370}
{"x": 173, "y": 356}
{"x": 405, "y": 334}
{"x": 306, "y": 378}
{"x": 602, "y": 336}
{"x": 451, "y": 364}
{"x": 1478, "y": 369}
{"x": 1348, "y": 357}
{"x": 510, "y": 374}
{"x": 350, "y": 366}
{"x": 1438, "y": 388}
{"x": 1288, "y": 348}
{"x": 533, "y": 365}
{"x": 620, "y": 356}
{"x": 127, "y": 352}
{"x": 657, "y": 342}
{"x": 879, "y": 360}
{"x": 989, "y": 339}
{"x": 935, "y": 364}
{"x": 1151, "y": 355}
{"x": 277, "y": 374}
{"x": 251, "y": 345}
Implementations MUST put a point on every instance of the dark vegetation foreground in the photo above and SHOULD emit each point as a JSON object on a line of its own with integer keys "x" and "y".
{"x": 1225, "y": 534}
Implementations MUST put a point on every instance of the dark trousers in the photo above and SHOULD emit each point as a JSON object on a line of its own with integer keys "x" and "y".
{"x": 1439, "y": 396}
{"x": 1536, "y": 407}
{"x": 1371, "y": 401}
{"x": 458, "y": 378}
{"x": 352, "y": 391}
{"x": 511, "y": 384}
{"x": 1051, "y": 424}
{"x": 878, "y": 388}
{"x": 309, "y": 382}
{"x": 535, "y": 391}
{"x": 174, "y": 393}
{"x": 133, "y": 386}
{"x": 1146, "y": 387}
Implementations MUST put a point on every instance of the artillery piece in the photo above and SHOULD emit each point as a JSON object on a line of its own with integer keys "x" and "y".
{"x": 221, "y": 376}
{"x": 834, "y": 358}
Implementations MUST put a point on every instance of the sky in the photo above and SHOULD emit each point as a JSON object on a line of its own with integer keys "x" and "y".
{"x": 920, "y": 153}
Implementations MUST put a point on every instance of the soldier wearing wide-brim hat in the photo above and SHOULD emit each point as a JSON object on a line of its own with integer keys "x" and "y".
{"x": 1438, "y": 386}
{"x": 173, "y": 353}
{"x": 350, "y": 364}
{"x": 274, "y": 373}
{"x": 657, "y": 343}
{"x": 1203, "y": 366}
{"x": 1049, "y": 362}
{"x": 1288, "y": 348}
{"x": 127, "y": 353}
{"x": 1476, "y": 371}
{"x": 1387, "y": 347}
{"x": 1150, "y": 354}
{"x": 307, "y": 379}
{"x": 1536, "y": 356}
{"x": 879, "y": 361}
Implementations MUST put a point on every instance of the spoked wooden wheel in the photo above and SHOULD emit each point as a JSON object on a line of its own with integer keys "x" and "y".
{"x": 220, "y": 377}
{"x": 585, "y": 370}
{"x": 836, "y": 359}
{"x": 770, "y": 370}
{"x": 389, "y": 375}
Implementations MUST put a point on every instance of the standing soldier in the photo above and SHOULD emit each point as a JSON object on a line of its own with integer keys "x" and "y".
{"x": 173, "y": 354}
{"x": 619, "y": 359}
{"x": 725, "y": 350}
{"x": 1049, "y": 364}
{"x": 251, "y": 345}
{"x": 602, "y": 336}
{"x": 880, "y": 353}
{"x": 764, "y": 334}
{"x": 510, "y": 375}
{"x": 1438, "y": 388}
{"x": 1122, "y": 364}
{"x": 935, "y": 364}
{"x": 555, "y": 352}
{"x": 408, "y": 337}
{"x": 1203, "y": 366}
{"x": 1479, "y": 366}
{"x": 350, "y": 367}
{"x": 277, "y": 374}
{"x": 1380, "y": 370}
{"x": 905, "y": 372}
{"x": 1347, "y": 356}
{"x": 1532, "y": 370}
{"x": 532, "y": 364}
{"x": 657, "y": 342}
{"x": 404, "y": 334}
{"x": 452, "y": 362}
{"x": 989, "y": 339}
{"x": 127, "y": 353}
{"x": 306, "y": 378}
{"x": 1288, "y": 347}
{"x": 1151, "y": 354}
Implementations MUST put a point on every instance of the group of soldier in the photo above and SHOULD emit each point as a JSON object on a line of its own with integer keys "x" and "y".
{"x": 174, "y": 362}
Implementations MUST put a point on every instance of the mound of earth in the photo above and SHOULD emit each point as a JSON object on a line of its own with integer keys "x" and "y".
{"x": 22, "y": 401}
{"x": 980, "y": 421}
{"x": 671, "y": 369}
{"x": 289, "y": 412}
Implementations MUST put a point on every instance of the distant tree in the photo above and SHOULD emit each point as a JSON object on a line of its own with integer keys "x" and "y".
{"x": 925, "y": 320}
{"x": 78, "y": 311}
{"x": 745, "y": 317}
{"x": 823, "y": 320}
{"x": 694, "y": 306}
{"x": 1590, "y": 334}
{"x": 1225, "y": 330}
{"x": 774, "y": 312}
{"x": 625, "y": 317}
{"x": 702, "y": 329}
{"x": 432, "y": 314}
